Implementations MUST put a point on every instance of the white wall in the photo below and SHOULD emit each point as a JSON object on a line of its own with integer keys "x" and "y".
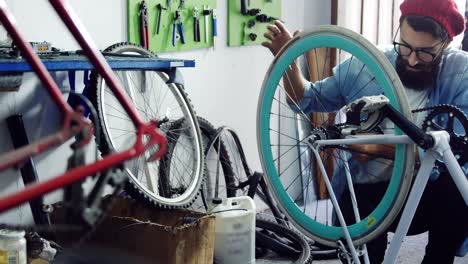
{"x": 316, "y": 12}
{"x": 224, "y": 85}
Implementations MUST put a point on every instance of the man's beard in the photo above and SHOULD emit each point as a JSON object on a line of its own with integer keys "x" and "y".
{"x": 421, "y": 79}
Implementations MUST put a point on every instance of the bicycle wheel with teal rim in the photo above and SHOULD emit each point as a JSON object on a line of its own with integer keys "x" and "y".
{"x": 282, "y": 134}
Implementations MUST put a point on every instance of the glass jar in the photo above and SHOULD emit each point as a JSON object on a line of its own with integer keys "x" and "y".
{"x": 12, "y": 247}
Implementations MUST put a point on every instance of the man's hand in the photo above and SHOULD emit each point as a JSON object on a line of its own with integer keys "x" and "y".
{"x": 278, "y": 37}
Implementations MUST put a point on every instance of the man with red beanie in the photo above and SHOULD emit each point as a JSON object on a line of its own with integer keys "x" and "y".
{"x": 432, "y": 74}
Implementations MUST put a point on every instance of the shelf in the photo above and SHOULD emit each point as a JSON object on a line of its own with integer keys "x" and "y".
{"x": 80, "y": 62}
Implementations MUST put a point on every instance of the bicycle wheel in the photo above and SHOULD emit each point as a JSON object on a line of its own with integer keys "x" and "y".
{"x": 155, "y": 99}
{"x": 287, "y": 158}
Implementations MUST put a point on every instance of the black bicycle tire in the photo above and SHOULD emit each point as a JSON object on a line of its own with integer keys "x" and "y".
{"x": 285, "y": 232}
{"x": 321, "y": 252}
{"x": 264, "y": 193}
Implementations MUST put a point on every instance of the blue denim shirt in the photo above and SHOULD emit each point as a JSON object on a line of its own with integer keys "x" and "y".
{"x": 332, "y": 93}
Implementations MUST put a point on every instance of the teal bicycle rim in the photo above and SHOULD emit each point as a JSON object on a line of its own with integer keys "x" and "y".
{"x": 296, "y": 48}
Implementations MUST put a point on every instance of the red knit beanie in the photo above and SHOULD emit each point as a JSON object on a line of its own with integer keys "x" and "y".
{"x": 445, "y": 12}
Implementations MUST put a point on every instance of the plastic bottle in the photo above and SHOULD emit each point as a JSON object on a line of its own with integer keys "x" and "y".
{"x": 235, "y": 231}
{"x": 12, "y": 247}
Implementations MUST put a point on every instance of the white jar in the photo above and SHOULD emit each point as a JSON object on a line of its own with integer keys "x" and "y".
{"x": 12, "y": 247}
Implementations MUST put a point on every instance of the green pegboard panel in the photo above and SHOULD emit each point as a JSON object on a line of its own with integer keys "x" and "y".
{"x": 162, "y": 42}
{"x": 239, "y": 31}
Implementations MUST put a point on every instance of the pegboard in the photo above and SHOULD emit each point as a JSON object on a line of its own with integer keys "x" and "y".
{"x": 162, "y": 41}
{"x": 241, "y": 27}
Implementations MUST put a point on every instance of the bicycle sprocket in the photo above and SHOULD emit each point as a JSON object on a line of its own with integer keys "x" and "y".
{"x": 444, "y": 117}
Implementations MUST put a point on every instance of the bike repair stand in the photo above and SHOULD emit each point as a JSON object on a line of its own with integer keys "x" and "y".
{"x": 440, "y": 150}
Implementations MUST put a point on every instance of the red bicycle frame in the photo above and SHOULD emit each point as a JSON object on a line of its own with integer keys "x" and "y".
{"x": 73, "y": 121}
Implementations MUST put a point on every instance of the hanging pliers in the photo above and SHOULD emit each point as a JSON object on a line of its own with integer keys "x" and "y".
{"x": 144, "y": 32}
{"x": 178, "y": 25}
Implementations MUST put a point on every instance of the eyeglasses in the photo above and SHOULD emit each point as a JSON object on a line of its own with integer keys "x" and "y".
{"x": 422, "y": 54}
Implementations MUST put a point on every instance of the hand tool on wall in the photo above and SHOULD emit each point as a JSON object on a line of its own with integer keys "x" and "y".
{"x": 144, "y": 35}
{"x": 248, "y": 12}
{"x": 251, "y": 23}
{"x": 253, "y": 11}
{"x": 182, "y": 4}
{"x": 160, "y": 13}
{"x": 177, "y": 26}
{"x": 206, "y": 13}
{"x": 196, "y": 25}
{"x": 243, "y": 7}
{"x": 215, "y": 26}
{"x": 252, "y": 36}
{"x": 262, "y": 18}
